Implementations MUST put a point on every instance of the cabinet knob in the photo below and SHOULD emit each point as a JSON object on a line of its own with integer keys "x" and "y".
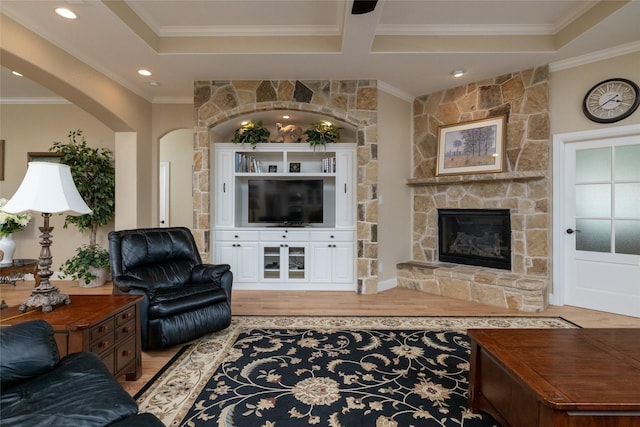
{"x": 126, "y": 353}
{"x": 235, "y": 236}
{"x": 331, "y": 237}
{"x": 284, "y": 236}
{"x": 126, "y": 330}
{"x": 103, "y": 344}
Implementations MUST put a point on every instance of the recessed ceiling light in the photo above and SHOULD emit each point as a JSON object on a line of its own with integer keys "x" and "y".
{"x": 144, "y": 72}
{"x": 458, "y": 73}
{"x": 15, "y": 73}
{"x": 66, "y": 13}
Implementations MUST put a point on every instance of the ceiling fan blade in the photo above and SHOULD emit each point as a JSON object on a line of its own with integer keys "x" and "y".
{"x": 363, "y": 6}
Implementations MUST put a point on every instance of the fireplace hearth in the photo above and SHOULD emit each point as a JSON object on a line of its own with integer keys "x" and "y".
{"x": 479, "y": 237}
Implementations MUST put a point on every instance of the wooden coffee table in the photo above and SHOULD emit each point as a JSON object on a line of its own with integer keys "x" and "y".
{"x": 556, "y": 377}
{"x": 108, "y": 325}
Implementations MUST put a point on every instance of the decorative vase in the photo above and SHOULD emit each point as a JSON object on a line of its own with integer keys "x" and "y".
{"x": 8, "y": 247}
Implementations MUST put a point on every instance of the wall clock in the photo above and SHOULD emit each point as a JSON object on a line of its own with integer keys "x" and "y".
{"x": 611, "y": 100}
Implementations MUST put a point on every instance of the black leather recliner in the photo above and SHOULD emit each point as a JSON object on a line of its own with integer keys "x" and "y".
{"x": 40, "y": 389}
{"x": 183, "y": 298}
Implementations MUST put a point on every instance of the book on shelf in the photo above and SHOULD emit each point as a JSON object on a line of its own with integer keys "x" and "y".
{"x": 329, "y": 165}
{"x": 248, "y": 164}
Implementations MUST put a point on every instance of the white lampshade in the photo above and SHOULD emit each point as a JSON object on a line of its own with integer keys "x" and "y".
{"x": 47, "y": 187}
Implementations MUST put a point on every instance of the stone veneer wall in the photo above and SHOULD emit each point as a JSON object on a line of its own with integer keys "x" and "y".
{"x": 524, "y": 188}
{"x": 352, "y": 101}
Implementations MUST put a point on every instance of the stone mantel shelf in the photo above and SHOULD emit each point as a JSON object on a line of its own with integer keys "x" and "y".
{"x": 472, "y": 178}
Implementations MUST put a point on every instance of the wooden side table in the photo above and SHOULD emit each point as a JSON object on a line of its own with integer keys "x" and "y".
{"x": 19, "y": 266}
{"x": 108, "y": 325}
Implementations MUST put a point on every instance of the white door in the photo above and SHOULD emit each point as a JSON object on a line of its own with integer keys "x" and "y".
{"x": 598, "y": 225}
{"x": 164, "y": 194}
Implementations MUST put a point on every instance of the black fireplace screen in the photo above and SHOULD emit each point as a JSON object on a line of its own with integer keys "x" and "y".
{"x": 475, "y": 237}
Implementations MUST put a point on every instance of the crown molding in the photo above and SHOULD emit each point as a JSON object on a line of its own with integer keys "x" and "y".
{"x": 33, "y": 101}
{"x": 599, "y": 55}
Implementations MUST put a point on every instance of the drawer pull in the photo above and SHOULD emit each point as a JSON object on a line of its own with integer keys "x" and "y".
{"x": 103, "y": 344}
{"x": 126, "y": 316}
{"x": 126, "y": 329}
{"x": 103, "y": 328}
{"x": 126, "y": 353}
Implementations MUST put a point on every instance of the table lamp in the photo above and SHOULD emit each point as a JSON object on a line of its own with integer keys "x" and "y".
{"x": 48, "y": 188}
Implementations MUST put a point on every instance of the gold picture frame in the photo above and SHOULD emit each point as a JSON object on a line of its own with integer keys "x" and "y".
{"x": 472, "y": 147}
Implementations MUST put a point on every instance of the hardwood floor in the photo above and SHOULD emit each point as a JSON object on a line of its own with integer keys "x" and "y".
{"x": 394, "y": 302}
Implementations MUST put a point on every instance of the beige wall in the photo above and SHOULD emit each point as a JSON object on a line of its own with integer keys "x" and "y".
{"x": 176, "y": 147}
{"x": 167, "y": 118}
{"x": 568, "y": 88}
{"x": 33, "y": 128}
{"x": 394, "y": 158}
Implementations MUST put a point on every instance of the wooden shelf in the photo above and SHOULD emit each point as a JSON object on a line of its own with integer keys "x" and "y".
{"x": 472, "y": 178}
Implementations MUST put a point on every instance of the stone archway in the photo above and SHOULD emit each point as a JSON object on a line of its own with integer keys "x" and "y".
{"x": 350, "y": 101}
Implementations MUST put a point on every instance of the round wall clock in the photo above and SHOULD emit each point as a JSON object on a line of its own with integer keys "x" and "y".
{"x": 611, "y": 100}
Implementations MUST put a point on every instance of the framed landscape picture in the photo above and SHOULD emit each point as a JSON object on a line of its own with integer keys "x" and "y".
{"x": 472, "y": 147}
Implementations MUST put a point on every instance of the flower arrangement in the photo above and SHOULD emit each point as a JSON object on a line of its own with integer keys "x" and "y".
{"x": 12, "y": 223}
{"x": 253, "y": 133}
{"x": 321, "y": 134}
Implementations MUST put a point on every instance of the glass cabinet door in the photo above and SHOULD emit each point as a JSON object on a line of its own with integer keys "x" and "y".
{"x": 296, "y": 262}
{"x": 271, "y": 262}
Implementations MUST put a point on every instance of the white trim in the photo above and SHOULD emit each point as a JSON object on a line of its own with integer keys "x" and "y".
{"x": 38, "y": 100}
{"x": 387, "y": 284}
{"x": 599, "y": 55}
{"x": 559, "y": 143}
{"x": 464, "y": 30}
{"x": 391, "y": 90}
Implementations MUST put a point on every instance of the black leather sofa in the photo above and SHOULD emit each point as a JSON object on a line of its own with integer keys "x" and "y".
{"x": 183, "y": 298}
{"x": 41, "y": 390}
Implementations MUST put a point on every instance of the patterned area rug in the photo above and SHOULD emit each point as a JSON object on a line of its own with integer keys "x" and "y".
{"x": 329, "y": 371}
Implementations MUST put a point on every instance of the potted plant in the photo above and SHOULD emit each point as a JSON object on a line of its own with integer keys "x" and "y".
{"x": 89, "y": 265}
{"x": 94, "y": 174}
{"x": 252, "y": 133}
{"x": 322, "y": 133}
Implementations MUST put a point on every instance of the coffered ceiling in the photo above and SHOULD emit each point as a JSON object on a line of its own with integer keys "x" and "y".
{"x": 410, "y": 46}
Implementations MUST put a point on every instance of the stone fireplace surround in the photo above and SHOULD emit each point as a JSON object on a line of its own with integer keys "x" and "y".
{"x": 524, "y": 188}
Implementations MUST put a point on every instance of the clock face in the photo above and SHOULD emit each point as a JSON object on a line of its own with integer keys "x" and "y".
{"x": 611, "y": 100}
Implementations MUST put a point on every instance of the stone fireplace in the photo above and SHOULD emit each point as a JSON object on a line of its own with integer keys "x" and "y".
{"x": 479, "y": 237}
{"x": 523, "y": 189}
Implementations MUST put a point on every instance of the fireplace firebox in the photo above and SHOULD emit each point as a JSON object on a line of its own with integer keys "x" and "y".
{"x": 479, "y": 237}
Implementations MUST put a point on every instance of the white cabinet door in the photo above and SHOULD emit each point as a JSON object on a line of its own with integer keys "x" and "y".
{"x": 343, "y": 263}
{"x": 242, "y": 257}
{"x": 332, "y": 262}
{"x": 224, "y": 191}
{"x": 345, "y": 189}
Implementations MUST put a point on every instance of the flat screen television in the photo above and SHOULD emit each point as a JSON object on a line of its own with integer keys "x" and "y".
{"x": 282, "y": 202}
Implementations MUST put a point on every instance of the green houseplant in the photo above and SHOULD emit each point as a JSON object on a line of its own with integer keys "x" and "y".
{"x": 252, "y": 133}
{"x": 94, "y": 174}
{"x": 89, "y": 264}
{"x": 322, "y": 133}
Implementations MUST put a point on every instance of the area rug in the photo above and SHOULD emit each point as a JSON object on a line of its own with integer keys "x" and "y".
{"x": 328, "y": 371}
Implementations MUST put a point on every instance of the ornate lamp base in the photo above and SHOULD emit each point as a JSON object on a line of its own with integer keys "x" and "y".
{"x": 46, "y": 297}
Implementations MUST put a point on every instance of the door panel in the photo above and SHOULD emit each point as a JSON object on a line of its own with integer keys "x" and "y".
{"x": 600, "y": 201}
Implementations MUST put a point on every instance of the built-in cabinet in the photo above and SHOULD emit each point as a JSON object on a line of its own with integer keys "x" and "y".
{"x": 319, "y": 255}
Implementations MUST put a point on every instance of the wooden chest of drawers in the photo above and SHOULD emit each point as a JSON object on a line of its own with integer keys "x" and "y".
{"x": 108, "y": 325}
